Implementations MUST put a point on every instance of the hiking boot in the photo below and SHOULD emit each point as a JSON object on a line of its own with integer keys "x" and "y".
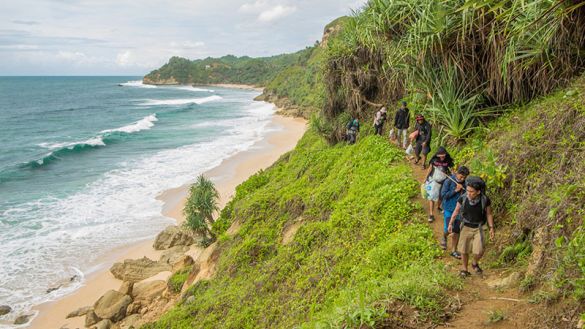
{"x": 431, "y": 218}
{"x": 444, "y": 244}
{"x": 464, "y": 273}
{"x": 476, "y": 268}
{"x": 417, "y": 160}
{"x": 455, "y": 254}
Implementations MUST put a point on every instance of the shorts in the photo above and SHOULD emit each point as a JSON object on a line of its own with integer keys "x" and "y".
{"x": 419, "y": 148}
{"x": 471, "y": 240}
{"x": 456, "y": 223}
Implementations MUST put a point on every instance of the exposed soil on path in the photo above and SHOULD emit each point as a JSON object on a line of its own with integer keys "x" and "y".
{"x": 477, "y": 305}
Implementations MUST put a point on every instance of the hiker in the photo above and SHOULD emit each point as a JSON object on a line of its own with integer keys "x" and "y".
{"x": 423, "y": 140}
{"x": 441, "y": 161}
{"x": 379, "y": 121}
{"x": 353, "y": 127}
{"x": 451, "y": 191}
{"x": 475, "y": 209}
{"x": 401, "y": 125}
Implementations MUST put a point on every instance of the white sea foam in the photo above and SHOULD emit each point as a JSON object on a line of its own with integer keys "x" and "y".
{"x": 94, "y": 141}
{"x": 57, "y": 235}
{"x": 195, "y": 89}
{"x": 182, "y": 101}
{"x": 138, "y": 84}
{"x": 144, "y": 124}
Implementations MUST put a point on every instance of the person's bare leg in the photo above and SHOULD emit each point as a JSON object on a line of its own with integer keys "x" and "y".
{"x": 454, "y": 241}
{"x": 464, "y": 261}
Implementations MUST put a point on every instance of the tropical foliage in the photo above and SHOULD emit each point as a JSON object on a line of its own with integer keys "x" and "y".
{"x": 201, "y": 206}
{"x": 461, "y": 56}
{"x": 228, "y": 69}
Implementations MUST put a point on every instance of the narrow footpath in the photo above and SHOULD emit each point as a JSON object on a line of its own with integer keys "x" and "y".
{"x": 477, "y": 305}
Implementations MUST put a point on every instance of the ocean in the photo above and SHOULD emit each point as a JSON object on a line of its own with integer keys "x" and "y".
{"x": 82, "y": 160}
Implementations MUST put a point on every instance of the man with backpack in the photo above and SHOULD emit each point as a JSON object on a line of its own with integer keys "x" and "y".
{"x": 423, "y": 139}
{"x": 379, "y": 120}
{"x": 401, "y": 124}
{"x": 353, "y": 127}
{"x": 451, "y": 191}
{"x": 475, "y": 209}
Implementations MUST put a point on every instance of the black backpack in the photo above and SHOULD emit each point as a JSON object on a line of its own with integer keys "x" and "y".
{"x": 475, "y": 181}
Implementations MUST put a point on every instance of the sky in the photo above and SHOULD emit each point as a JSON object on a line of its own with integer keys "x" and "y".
{"x": 134, "y": 37}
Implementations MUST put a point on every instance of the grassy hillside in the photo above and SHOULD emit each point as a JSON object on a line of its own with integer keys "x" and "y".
{"x": 359, "y": 252}
{"x": 533, "y": 159}
{"x": 227, "y": 69}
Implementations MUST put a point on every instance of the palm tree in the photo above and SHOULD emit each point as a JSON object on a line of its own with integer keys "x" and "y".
{"x": 201, "y": 205}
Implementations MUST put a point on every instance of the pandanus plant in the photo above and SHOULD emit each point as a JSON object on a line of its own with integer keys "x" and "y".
{"x": 201, "y": 205}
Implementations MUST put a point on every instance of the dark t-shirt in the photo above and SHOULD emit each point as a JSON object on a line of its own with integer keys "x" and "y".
{"x": 473, "y": 214}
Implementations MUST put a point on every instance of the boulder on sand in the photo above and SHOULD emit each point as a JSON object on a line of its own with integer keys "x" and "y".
{"x": 135, "y": 270}
{"x": 174, "y": 236}
{"x": 22, "y": 319}
{"x": 5, "y": 309}
{"x": 104, "y": 324}
{"x": 79, "y": 312}
{"x": 112, "y": 305}
{"x": 145, "y": 292}
{"x": 91, "y": 318}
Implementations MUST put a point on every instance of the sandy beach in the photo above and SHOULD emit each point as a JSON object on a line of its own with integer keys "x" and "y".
{"x": 283, "y": 135}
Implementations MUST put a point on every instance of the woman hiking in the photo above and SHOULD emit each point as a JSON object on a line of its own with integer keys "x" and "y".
{"x": 443, "y": 162}
{"x": 379, "y": 120}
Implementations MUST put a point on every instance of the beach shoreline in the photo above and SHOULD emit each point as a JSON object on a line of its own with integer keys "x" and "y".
{"x": 282, "y": 136}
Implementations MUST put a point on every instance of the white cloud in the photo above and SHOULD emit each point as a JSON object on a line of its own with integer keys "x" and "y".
{"x": 254, "y": 7}
{"x": 125, "y": 58}
{"x": 187, "y": 44}
{"x": 275, "y": 13}
{"x": 78, "y": 58}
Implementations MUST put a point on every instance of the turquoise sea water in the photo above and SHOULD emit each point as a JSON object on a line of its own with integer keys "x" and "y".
{"x": 82, "y": 160}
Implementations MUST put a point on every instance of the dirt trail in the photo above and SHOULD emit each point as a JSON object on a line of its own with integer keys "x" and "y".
{"x": 477, "y": 302}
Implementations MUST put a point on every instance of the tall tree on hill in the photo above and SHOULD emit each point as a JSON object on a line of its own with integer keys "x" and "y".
{"x": 201, "y": 205}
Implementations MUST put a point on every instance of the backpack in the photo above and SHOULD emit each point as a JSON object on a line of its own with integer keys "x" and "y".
{"x": 475, "y": 180}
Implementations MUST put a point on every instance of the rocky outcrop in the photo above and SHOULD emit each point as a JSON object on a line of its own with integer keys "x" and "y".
{"x": 104, "y": 324}
{"x": 156, "y": 80}
{"x": 145, "y": 292}
{"x": 112, "y": 305}
{"x": 5, "y": 309}
{"x": 132, "y": 321}
{"x": 23, "y": 319}
{"x": 79, "y": 312}
{"x": 173, "y": 255}
{"x": 91, "y": 318}
{"x": 174, "y": 236}
{"x": 285, "y": 106}
{"x": 126, "y": 288}
{"x": 135, "y": 270}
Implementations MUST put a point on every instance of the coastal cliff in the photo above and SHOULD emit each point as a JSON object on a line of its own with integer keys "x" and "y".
{"x": 332, "y": 235}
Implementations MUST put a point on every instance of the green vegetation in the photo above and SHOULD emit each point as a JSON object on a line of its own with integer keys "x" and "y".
{"x": 496, "y": 316}
{"x": 359, "y": 248}
{"x": 176, "y": 281}
{"x": 533, "y": 161}
{"x": 457, "y": 60}
{"x": 200, "y": 207}
{"x": 227, "y": 69}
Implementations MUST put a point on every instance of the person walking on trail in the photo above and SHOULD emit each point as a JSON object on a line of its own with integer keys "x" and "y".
{"x": 441, "y": 161}
{"x": 423, "y": 140}
{"x": 451, "y": 191}
{"x": 475, "y": 209}
{"x": 401, "y": 125}
{"x": 353, "y": 127}
{"x": 379, "y": 120}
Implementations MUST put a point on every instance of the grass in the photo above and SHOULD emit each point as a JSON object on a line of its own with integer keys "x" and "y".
{"x": 495, "y": 316}
{"x": 359, "y": 248}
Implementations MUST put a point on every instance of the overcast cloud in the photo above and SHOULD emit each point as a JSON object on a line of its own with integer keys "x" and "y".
{"x": 133, "y": 37}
